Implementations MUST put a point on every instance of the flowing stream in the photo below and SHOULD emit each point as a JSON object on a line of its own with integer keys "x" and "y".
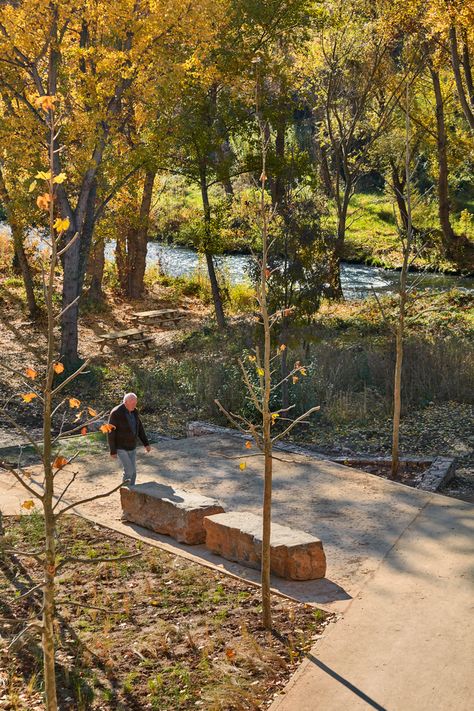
{"x": 358, "y": 280}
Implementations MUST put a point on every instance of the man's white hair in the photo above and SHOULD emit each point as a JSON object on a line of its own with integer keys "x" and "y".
{"x": 129, "y": 396}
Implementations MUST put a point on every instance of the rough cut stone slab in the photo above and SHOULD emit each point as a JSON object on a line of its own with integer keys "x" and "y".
{"x": 164, "y": 509}
{"x": 440, "y": 472}
{"x": 294, "y": 555}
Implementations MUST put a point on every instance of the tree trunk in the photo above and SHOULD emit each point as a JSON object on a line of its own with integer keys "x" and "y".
{"x": 278, "y": 184}
{"x": 17, "y": 234}
{"x": 449, "y": 237}
{"x": 466, "y": 104}
{"x": 466, "y": 63}
{"x": 407, "y": 241}
{"x": 335, "y": 286}
{"x": 399, "y": 183}
{"x": 96, "y": 271}
{"x": 138, "y": 241}
{"x": 74, "y": 266}
{"x": 20, "y": 255}
{"x": 216, "y": 295}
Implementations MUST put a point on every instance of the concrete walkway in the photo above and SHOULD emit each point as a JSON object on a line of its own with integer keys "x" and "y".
{"x": 398, "y": 569}
{"x": 406, "y": 643}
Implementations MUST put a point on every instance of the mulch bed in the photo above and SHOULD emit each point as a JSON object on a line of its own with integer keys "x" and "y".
{"x": 170, "y": 635}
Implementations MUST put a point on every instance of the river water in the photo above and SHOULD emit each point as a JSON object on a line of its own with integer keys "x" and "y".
{"x": 358, "y": 280}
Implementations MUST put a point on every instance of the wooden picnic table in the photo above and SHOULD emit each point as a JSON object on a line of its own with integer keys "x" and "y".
{"x": 131, "y": 336}
{"x": 160, "y": 316}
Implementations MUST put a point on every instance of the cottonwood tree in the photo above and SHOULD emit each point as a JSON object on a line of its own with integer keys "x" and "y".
{"x": 351, "y": 67}
{"x": 94, "y": 53}
{"x": 260, "y": 365}
{"x": 41, "y": 386}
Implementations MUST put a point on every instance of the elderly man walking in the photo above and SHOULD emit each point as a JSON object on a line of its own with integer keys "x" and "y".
{"x": 123, "y": 438}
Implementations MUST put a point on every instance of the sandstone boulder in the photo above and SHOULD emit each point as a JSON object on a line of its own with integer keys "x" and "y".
{"x": 294, "y": 555}
{"x": 164, "y": 509}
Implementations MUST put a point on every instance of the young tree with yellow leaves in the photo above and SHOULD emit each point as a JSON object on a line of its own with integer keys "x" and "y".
{"x": 42, "y": 386}
{"x": 262, "y": 363}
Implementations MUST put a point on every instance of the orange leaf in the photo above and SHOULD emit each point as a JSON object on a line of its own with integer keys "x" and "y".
{"x": 28, "y": 397}
{"x": 295, "y": 379}
{"x": 45, "y": 102}
{"x": 29, "y": 504}
{"x": 91, "y": 412}
{"x": 43, "y": 201}
{"x": 248, "y": 445}
{"x": 229, "y": 653}
{"x": 107, "y": 428}
{"x": 84, "y": 431}
{"x": 30, "y": 373}
{"x": 74, "y": 402}
{"x": 283, "y": 347}
{"x": 58, "y": 368}
{"x": 267, "y": 273}
{"x": 60, "y": 462}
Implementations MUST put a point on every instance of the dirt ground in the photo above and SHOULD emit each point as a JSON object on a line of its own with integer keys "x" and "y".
{"x": 152, "y": 632}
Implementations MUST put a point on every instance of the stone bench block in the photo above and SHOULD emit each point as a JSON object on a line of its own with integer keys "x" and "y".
{"x": 164, "y": 509}
{"x": 294, "y": 555}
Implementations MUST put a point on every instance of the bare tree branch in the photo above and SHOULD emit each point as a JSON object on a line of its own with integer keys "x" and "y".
{"x": 294, "y": 423}
{"x": 88, "y": 499}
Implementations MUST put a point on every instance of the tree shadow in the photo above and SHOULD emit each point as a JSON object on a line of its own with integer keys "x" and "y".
{"x": 345, "y": 682}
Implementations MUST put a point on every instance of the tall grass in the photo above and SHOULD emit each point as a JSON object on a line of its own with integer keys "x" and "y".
{"x": 352, "y": 383}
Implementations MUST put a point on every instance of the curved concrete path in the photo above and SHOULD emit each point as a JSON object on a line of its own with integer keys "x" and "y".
{"x": 399, "y": 569}
{"x": 406, "y": 643}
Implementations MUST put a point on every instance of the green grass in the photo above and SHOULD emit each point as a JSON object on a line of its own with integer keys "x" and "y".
{"x": 371, "y": 235}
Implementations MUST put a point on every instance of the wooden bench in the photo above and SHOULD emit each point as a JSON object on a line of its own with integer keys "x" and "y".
{"x": 130, "y": 336}
{"x": 294, "y": 555}
{"x": 164, "y": 509}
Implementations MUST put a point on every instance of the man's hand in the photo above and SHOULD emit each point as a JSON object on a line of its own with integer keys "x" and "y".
{"x": 114, "y": 456}
{"x": 148, "y": 448}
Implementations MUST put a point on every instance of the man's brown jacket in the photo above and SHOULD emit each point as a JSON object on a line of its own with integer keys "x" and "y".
{"x": 122, "y": 436}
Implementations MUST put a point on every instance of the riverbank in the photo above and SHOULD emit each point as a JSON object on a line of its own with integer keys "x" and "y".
{"x": 371, "y": 237}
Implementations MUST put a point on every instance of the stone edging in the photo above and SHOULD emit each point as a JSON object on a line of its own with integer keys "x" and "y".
{"x": 440, "y": 470}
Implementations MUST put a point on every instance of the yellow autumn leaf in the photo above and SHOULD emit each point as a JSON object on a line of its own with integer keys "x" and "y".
{"x": 58, "y": 368}
{"x": 28, "y": 397}
{"x": 92, "y": 412}
{"x": 61, "y": 225}
{"x": 303, "y": 371}
{"x": 28, "y": 504}
{"x": 252, "y": 358}
{"x": 242, "y": 466}
{"x": 74, "y": 402}
{"x": 30, "y": 373}
{"x": 275, "y": 415}
{"x": 32, "y": 186}
{"x": 260, "y": 371}
{"x": 42, "y": 175}
{"x": 60, "y": 178}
